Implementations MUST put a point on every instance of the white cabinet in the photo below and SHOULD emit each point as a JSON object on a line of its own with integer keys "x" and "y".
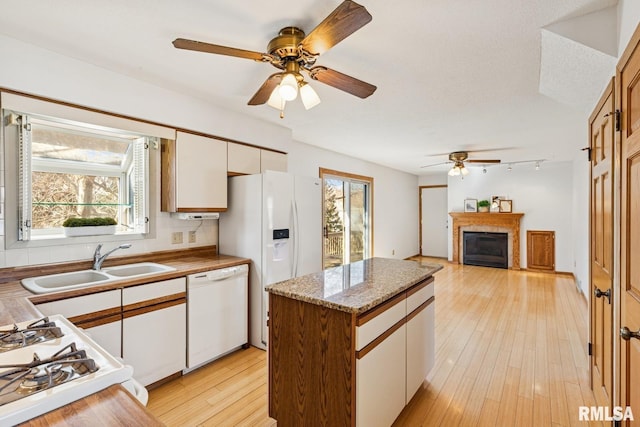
{"x": 380, "y": 382}
{"x": 242, "y": 159}
{"x": 154, "y": 329}
{"x": 98, "y": 314}
{"x": 420, "y": 347}
{"x": 272, "y": 161}
{"x": 194, "y": 174}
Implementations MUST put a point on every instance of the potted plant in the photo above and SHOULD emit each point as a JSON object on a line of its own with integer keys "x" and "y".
{"x": 483, "y": 206}
{"x": 89, "y": 226}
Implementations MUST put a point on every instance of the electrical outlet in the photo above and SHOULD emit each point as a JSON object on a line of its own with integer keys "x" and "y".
{"x": 393, "y": 251}
{"x": 176, "y": 237}
{"x": 192, "y": 237}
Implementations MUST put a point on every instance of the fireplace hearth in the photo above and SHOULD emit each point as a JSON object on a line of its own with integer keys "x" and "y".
{"x": 485, "y": 249}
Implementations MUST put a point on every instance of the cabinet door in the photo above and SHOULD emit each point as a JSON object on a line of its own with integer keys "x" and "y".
{"x": 201, "y": 172}
{"x": 380, "y": 382}
{"x": 108, "y": 336}
{"x": 99, "y": 314}
{"x": 420, "y": 347}
{"x": 154, "y": 343}
{"x": 272, "y": 161}
{"x": 242, "y": 159}
{"x": 154, "y": 329}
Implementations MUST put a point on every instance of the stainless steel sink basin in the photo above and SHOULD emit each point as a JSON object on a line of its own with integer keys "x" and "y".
{"x": 86, "y": 278}
{"x": 140, "y": 269}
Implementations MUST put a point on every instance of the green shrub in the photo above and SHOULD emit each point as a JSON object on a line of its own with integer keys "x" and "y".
{"x": 88, "y": 222}
{"x": 483, "y": 204}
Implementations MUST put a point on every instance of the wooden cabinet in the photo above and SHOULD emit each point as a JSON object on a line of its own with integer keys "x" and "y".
{"x": 272, "y": 161}
{"x": 98, "y": 314}
{"x": 541, "y": 250}
{"x": 242, "y": 159}
{"x": 339, "y": 368}
{"x": 154, "y": 329}
{"x": 194, "y": 174}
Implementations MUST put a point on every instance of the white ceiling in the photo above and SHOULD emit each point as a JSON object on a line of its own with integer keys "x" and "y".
{"x": 451, "y": 74}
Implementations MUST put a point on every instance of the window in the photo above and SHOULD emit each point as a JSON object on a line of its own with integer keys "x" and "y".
{"x": 71, "y": 169}
{"x": 346, "y": 216}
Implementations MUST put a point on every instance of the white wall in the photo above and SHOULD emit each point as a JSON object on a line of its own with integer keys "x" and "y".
{"x": 395, "y": 198}
{"x": 580, "y": 221}
{"x": 628, "y": 18}
{"x": 544, "y": 196}
{"x": 30, "y": 69}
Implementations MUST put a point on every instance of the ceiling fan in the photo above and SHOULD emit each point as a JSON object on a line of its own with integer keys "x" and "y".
{"x": 292, "y": 51}
{"x": 458, "y": 158}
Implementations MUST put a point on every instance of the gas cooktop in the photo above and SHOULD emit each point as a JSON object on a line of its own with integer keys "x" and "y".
{"x": 48, "y": 363}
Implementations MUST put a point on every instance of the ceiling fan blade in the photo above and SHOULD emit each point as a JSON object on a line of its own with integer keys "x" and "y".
{"x": 435, "y": 164}
{"x": 217, "y": 49}
{"x": 345, "y": 20}
{"x": 342, "y": 81}
{"x": 263, "y": 94}
{"x": 486, "y": 161}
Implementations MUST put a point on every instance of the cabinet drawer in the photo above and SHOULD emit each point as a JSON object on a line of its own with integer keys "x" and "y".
{"x": 419, "y": 294}
{"x": 77, "y": 306}
{"x": 151, "y": 291}
{"x": 390, "y": 313}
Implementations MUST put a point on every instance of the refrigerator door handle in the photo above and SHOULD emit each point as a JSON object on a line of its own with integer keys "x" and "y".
{"x": 296, "y": 228}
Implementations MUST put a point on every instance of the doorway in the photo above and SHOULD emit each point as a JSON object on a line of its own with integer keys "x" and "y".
{"x": 346, "y": 217}
{"x": 434, "y": 221}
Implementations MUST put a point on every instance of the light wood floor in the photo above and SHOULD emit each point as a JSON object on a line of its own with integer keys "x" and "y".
{"x": 510, "y": 351}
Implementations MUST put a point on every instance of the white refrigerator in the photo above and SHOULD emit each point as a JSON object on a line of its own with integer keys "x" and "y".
{"x": 275, "y": 219}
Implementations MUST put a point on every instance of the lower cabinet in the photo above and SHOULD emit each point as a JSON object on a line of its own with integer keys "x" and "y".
{"x": 98, "y": 314}
{"x": 420, "y": 347}
{"x": 154, "y": 329}
{"x": 380, "y": 382}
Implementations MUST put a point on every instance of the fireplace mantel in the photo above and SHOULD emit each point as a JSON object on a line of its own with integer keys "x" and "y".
{"x": 510, "y": 221}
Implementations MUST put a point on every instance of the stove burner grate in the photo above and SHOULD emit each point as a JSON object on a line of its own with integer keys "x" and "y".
{"x": 36, "y": 332}
{"x": 20, "y": 380}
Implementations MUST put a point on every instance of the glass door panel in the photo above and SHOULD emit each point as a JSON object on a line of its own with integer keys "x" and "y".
{"x": 346, "y": 219}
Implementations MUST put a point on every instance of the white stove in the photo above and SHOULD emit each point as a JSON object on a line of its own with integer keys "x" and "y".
{"x": 49, "y": 363}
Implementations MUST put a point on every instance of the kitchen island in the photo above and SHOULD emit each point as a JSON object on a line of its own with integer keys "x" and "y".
{"x": 352, "y": 344}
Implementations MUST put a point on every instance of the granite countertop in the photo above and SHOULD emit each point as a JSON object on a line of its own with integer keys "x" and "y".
{"x": 356, "y": 287}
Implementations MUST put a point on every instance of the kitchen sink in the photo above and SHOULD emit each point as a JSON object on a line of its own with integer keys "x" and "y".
{"x": 87, "y": 278}
{"x": 140, "y": 269}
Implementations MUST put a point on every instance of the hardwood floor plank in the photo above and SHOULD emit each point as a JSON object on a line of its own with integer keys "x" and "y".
{"x": 510, "y": 351}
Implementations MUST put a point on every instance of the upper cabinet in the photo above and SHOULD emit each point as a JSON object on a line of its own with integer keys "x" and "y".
{"x": 194, "y": 174}
{"x": 242, "y": 159}
{"x": 272, "y": 161}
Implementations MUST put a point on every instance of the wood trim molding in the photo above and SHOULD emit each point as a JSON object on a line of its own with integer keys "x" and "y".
{"x": 155, "y": 304}
{"x": 421, "y": 307}
{"x": 124, "y": 116}
{"x": 93, "y": 322}
{"x": 510, "y": 221}
{"x": 415, "y": 288}
{"x": 378, "y": 310}
{"x": 376, "y": 342}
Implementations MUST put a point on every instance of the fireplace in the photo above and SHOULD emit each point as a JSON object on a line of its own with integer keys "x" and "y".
{"x": 487, "y": 222}
{"x": 485, "y": 249}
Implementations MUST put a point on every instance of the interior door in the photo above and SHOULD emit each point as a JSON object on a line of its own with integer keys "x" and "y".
{"x": 601, "y": 133}
{"x": 433, "y": 221}
{"x": 628, "y": 93}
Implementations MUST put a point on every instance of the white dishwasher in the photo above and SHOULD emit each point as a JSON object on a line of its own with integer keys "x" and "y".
{"x": 217, "y": 313}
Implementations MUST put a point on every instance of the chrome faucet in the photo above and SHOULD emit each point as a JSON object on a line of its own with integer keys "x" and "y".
{"x": 99, "y": 259}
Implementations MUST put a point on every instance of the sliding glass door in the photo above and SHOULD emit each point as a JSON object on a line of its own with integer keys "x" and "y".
{"x": 346, "y": 217}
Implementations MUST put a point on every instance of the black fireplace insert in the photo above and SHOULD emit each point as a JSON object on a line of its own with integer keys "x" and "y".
{"x": 485, "y": 249}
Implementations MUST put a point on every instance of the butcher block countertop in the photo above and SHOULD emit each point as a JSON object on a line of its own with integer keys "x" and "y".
{"x": 112, "y": 406}
{"x": 357, "y": 287}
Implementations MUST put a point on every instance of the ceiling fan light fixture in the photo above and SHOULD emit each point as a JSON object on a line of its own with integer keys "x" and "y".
{"x": 288, "y": 88}
{"x": 464, "y": 171}
{"x": 308, "y": 96}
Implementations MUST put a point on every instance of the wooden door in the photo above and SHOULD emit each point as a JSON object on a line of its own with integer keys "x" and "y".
{"x": 628, "y": 94}
{"x": 541, "y": 252}
{"x": 434, "y": 221}
{"x": 601, "y": 134}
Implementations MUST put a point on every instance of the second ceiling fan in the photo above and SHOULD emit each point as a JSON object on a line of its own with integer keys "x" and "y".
{"x": 458, "y": 158}
{"x": 294, "y": 52}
